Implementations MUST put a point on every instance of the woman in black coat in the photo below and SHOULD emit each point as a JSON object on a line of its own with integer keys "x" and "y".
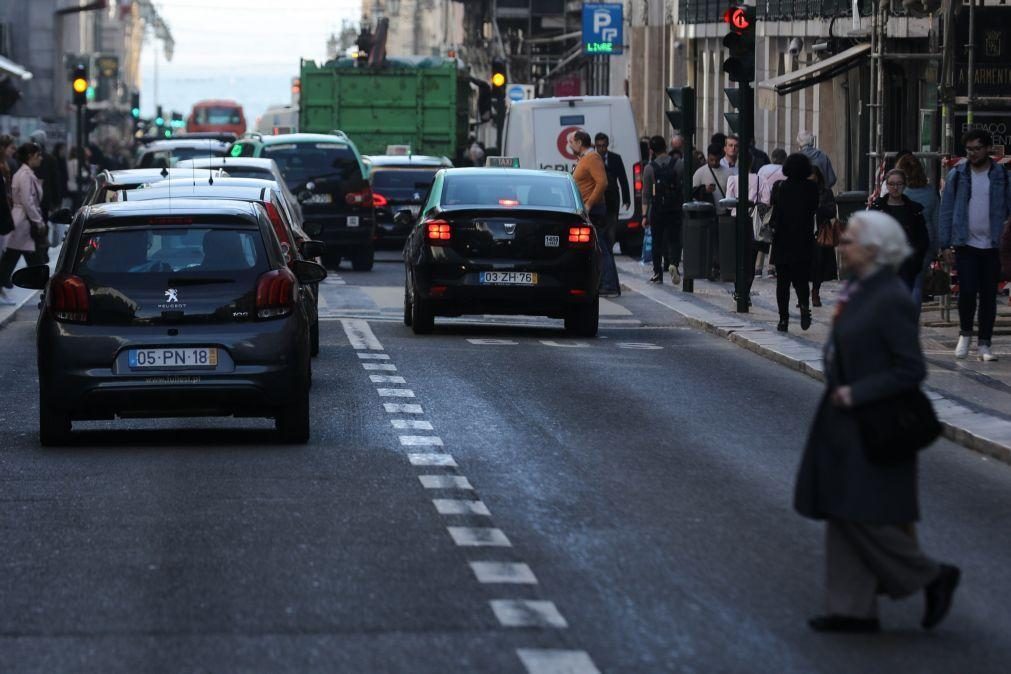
{"x": 909, "y": 215}
{"x": 873, "y": 353}
{"x": 794, "y": 205}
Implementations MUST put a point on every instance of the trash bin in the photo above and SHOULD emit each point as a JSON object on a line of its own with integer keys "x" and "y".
{"x": 697, "y": 254}
{"x": 849, "y": 203}
{"x": 727, "y": 224}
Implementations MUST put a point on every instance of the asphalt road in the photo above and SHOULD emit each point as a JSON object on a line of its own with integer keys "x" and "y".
{"x": 620, "y": 503}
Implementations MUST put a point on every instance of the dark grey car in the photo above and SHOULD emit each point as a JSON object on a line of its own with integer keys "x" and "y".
{"x": 158, "y": 313}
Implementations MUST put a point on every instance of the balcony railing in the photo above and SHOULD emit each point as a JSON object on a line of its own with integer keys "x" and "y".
{"x": 711, "y": 11}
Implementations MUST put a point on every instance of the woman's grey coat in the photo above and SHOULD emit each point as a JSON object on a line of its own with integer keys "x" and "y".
{"x": 875, "y": 349}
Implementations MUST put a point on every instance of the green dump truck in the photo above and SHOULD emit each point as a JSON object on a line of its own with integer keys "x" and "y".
{"x": 421, "y": 102}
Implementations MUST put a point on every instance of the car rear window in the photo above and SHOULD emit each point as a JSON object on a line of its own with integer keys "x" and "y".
{"x": 508, "y": 190}
{"x": 413, "y": 180}
{"x": 302, "y": 162}
{"x": 185, "y": 251}
{"x": 217, "y": 115}
{"x": 248, "y": 172}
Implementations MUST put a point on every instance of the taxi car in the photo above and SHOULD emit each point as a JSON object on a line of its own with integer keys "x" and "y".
{"x": 157, "y": 313}
{"x": 502, "y": 241}
{"x": 400, "y": 182}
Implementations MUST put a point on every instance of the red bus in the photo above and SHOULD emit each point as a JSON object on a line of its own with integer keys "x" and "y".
{"x": 217, "y": 115}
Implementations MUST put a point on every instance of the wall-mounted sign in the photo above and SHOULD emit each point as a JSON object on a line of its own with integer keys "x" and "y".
{"x": 602, "y": 28}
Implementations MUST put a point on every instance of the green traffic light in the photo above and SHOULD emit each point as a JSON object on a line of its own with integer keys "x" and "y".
{"x": 135, "y": 112}
{"x": 160, "y": 121}
{"x": 168, "y": 133}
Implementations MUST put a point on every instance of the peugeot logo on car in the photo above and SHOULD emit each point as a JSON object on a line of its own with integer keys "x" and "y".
{"x": 510, "y": 228}
{"x": 171, "y": 295}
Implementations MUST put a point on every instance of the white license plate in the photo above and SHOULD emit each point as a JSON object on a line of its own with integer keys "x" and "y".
{"x": 352, "y": 221}
{"x": 319, "y": 199}
{"x": 508, "y": 278}
{"x": 141, "y": 359}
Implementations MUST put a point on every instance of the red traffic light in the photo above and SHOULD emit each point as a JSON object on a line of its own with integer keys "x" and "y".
{"x": 737, "y": 19}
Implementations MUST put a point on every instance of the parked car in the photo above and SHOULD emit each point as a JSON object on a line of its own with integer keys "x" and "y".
{"x": 185, "y": 312}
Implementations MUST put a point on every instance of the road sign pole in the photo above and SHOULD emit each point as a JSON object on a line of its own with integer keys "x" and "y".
{"x": 744, "y": 221}
{"x": 80, "y": 153}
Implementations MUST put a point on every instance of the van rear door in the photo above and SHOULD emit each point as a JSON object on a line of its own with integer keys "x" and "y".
{"x": 552, "y": 125}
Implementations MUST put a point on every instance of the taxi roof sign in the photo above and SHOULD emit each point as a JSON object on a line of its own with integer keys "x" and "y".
{"x": 502, "y": 162}
{"x": 398, "y": 150}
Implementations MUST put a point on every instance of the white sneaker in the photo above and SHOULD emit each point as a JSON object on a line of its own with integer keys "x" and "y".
{"x": 985, "y": 354}
{"x": 5, "y": 299}
{"x": 962, "y": 349}
{"x": 675, "y": 278}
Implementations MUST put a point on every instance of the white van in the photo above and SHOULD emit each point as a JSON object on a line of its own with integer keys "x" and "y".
{"x": 535, "y": 131}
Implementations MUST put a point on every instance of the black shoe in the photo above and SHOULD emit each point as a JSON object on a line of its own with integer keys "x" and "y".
{"x": 842, "y": 623}
{"x": 656, "y": 278}
{"x": 815, "y": 299}
{"x": 783, "y": 325}
{"x": 939, "y": 594}
{"x": 805, "y": 319}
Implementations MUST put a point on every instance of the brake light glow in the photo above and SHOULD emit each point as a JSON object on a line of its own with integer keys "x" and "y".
{"x": 579, "y": 234}
{"x": 437, "y": 231}
{"x": 633, "y": 224}
{"x": 508, "y": 202}
{"x": 379, "y": 201}
{"x": 275, "y": 293}
{"x": 68, "y": 298}
{"x": 637, "y": 178}
{"x": 359, "y": 198}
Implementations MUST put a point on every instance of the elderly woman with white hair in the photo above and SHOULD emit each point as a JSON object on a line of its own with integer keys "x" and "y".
{"x": 872, "y": 358}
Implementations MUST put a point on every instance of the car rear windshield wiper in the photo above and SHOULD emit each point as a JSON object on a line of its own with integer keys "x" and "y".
{"x": 198, "y": 280}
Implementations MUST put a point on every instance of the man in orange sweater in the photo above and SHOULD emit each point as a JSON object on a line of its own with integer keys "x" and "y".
{"x": 591, "y": 178}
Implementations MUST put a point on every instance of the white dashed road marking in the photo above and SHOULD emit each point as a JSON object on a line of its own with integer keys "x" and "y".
{"x": 374, "y": 356}
{"x": 646, "y": 346}
{"x": 421, "y": 441}
{"x": 395, "y": 392}
{"x": 473, "y": 537}
{"x": 565, "y": 345}
{"x": 428, "y": 459}
{"x": 515, "y": 573}
{"x": 448, "y": 506}
{"x": 360, "y": 335}
{"x": 412, "y": 424}
{"x": 493, "y": 342}
{"x": 527, "y": 613}
{"x": 556, "y": 661}
{"x": 388, "y": 367}
{"x": 387, "y": 379}
{"x": 444, "y": 482}
{"x": 403, "y": 408}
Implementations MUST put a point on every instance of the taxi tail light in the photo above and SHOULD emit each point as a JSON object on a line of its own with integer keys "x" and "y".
{"x": 633, "y": 224}
{"x": 637, "y": 179}
{"x": 68, "y": 298}
{"x": 275, "y": 293}
{"x": 379, "y": 201}
{"x": 279, "y": 229}
{"x": 577, "y": 291}
{"x": 580, "y": 237}
{"x": 363, "y": 198}
{"x": 438, "y": 232}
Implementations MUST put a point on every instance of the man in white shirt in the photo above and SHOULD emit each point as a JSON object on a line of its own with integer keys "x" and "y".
{"x": 731, "y": 152}
{"x": 709, "y": 182}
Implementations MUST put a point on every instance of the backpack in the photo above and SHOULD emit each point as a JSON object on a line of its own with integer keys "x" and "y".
{"x": 666, "y": 192}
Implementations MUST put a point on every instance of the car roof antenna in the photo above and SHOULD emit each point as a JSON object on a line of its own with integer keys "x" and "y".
{"x": 210, "y": 163}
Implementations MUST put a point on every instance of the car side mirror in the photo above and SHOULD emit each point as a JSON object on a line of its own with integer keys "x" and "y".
{"x": 34, "y": 278}
{"x": 64, "y": 216}
{"x": 403, "y": 218}
{"x": 312, "y": 249}
{"x": 307, "y": 272}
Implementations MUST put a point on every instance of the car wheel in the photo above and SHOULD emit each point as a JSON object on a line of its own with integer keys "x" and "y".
{"x": 331, "y": 261}
{"x": 584, "y": 319}
{"x": 314, "y": 339}
{"x": 408, "y": 309}
{"x": 293, "y": 420}
{"x": 364, "y": 258}
{"x": 54, "y": 425}
{"x": 422, "y": 316}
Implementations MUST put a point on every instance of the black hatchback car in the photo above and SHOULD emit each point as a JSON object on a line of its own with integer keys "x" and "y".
{"x": 502, "y": 241}
{"x": 158, "y": 313}
{"x": 400, "y": 183}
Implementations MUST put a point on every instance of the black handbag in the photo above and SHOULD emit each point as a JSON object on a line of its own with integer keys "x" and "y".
{"x": 893, "y": 430}
{"x": 936, "y": 281}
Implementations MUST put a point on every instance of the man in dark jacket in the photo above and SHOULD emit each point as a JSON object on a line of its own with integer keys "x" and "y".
{"x": 617, "y": 180}
{"x": 49, "y": 173}
{"x": 661, "y": 205}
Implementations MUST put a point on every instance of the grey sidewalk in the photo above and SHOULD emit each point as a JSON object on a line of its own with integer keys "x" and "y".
{"x": 972, "y": 398}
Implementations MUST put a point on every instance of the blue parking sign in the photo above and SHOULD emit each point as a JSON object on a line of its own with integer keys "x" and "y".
{"x": 602, "y": 28}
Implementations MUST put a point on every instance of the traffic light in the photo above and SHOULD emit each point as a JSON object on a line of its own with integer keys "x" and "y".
{"x": 159, "y": 118}
{"x": 499, "y": 79}
{"x": 92, "y": 117}
{"x": 135, "y": 105}
{"x": 740, "y": 42}
{"x": 682, "y": 117}
{"x": 79, "y": 83}
{"x": 733, "y": 118}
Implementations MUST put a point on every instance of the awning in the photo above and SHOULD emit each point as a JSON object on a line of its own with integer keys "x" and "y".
{"x": 812, "y": 74}
{"x": 11, "y": 68}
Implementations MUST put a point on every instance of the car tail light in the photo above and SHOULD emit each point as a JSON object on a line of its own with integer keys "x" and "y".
{"x": 437, "y": 232}
{"x": 508, "y": 202}
{"x": 633, "y": 224}
{"x": 275, "y": 293}
{"x": 637, "y": 179}
{"x": 68, "y": 298}
{"x": 279, "y": 229}
{"x": 359, "y": 198}
{"x": 379, "y": 201}
{"x": 580, "y": 236}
